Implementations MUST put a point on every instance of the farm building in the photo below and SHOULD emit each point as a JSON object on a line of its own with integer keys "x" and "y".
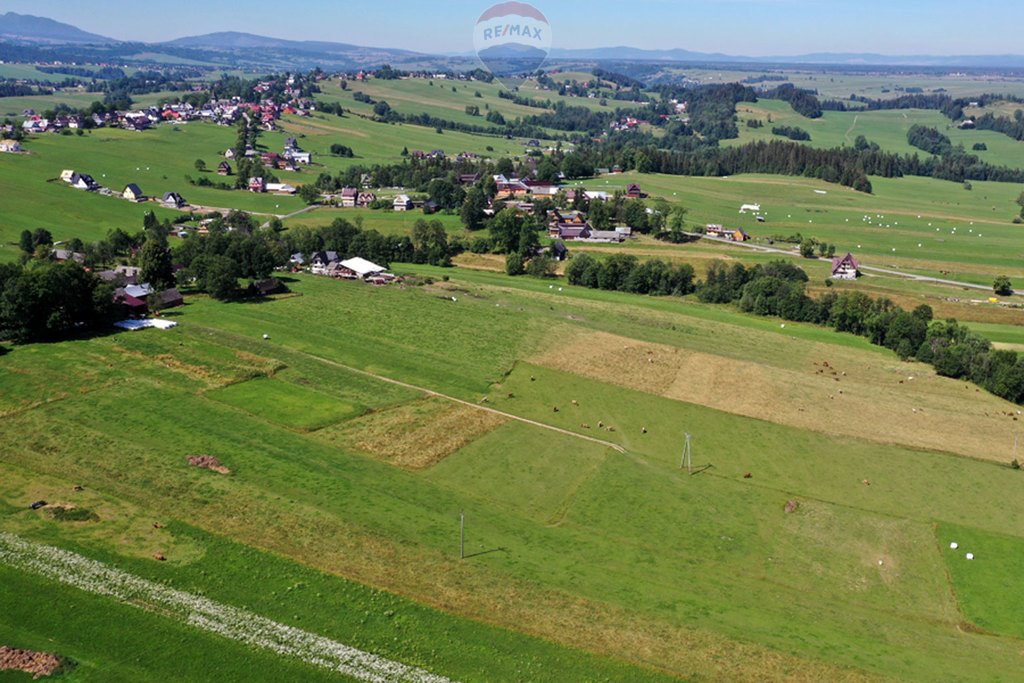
{"x": 280, "y": 188}
{"x": 10, "y": 146}
{"x": 570, "y": 231}
{"x": 356, "y": 269}
{"x": 173, "y": 200}
{"x": 402, "y": 203}
{"x": 754, "y": 208}
{"x": 66, "y": 255}
{"x": 716, "y": 230}
{"x": 611, "y": 236}
{"x": 133, "y": 193}
{"x": 845, "y": 268}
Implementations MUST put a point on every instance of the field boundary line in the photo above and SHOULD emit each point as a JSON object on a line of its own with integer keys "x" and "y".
{"x": 236, "y": 624}
{"x": 430, "y": 392}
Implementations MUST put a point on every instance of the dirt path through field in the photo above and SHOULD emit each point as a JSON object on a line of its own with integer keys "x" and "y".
{"x": 853, "y": 126}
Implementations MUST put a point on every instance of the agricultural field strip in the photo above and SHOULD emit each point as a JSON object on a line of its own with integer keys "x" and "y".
{"x": 230, "y": 622}
{"x": 431, "y": 392}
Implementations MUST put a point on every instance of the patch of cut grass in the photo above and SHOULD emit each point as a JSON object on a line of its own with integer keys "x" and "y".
{"x": 415, "y": 435}
{"x": 289, "y": 405}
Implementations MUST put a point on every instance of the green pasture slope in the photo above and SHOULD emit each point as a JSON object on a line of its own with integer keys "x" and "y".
{"x": 875, "y": 85}
{"x": 887, "y": 128}
{"x": 713, "y": 554}
{"x": 382, "y": 143}
{"x": 384, "y": 222}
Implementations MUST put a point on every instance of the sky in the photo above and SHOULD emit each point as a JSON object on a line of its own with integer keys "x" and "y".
{"x": 736, "y": 27}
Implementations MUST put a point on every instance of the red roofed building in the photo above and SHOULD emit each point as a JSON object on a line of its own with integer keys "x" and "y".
{"x": 845, "y": 268}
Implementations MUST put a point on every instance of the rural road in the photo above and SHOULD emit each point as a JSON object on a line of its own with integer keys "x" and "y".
{"x": 293, "y": 214}
{"x": 431, "y": 392}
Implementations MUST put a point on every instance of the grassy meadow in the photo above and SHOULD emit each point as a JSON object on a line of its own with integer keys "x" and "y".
{"x": 623, "y": 554}
{"x": 887, "y": 128}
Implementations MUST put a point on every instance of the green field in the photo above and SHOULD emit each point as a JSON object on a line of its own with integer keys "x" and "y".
{"x": 381, "y": 143}
{"x": 567, "y": 528}
{"x": 289, "y": 405}
{"x": 358, "y": 425}
{"x": 384, "y": 222}
{"x": 887, "y": 128}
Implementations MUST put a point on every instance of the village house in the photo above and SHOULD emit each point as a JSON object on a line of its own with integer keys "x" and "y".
{"x": 224, "y": 168}
{"x": 10, "y": 146}
{"x": 83, "y": 181}
{"x": 320, "y": 262}
{"x": 365, "y": 199}
{"x": 299, "y": 157}
{"x": 403, "y": 203}
{"x": 258, "y": 185}
{"x": 845, "y": 268}
{"x": 349, "y": 197}
{"x": 173, "y": 200}
{"x": 133, "y": 193}
{"x": 633, "y": 191}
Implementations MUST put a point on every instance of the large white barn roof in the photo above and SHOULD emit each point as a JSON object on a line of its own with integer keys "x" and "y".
{"x": 362, "y": 267}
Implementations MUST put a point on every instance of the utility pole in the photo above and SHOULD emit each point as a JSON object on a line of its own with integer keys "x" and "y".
{"x": 462, "y": 535}
{"x": 687, "y": 459}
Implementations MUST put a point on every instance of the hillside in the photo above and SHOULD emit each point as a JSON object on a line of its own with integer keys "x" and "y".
{"x": 32, "y": 29}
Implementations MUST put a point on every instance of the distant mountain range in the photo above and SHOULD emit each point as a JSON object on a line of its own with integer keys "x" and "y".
{"x": 30, "y": 29}
{"x": 822, "y": 58}
{"x": 232, "y": 40}
{"x": 237, "y": 48}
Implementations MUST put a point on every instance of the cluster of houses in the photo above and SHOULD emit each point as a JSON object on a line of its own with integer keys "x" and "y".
{"x": 352, "y": 197}
{"x": 131, "y": 192}
{"x": 135, "y": 296}
{"x": 330, "y": 264}
{"x": 225, "y": 112}
{"x": 572, "y": 226}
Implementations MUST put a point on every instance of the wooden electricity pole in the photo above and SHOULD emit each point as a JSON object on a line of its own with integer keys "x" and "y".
{"x": 462, "y": 535}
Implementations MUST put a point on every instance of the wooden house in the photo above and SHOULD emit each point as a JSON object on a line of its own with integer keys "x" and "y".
{"x": 173, "y": 200}
{"x": 845, "y": 268}
{"x": 133, "y": 193}
{"x": 349, "y": 197}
